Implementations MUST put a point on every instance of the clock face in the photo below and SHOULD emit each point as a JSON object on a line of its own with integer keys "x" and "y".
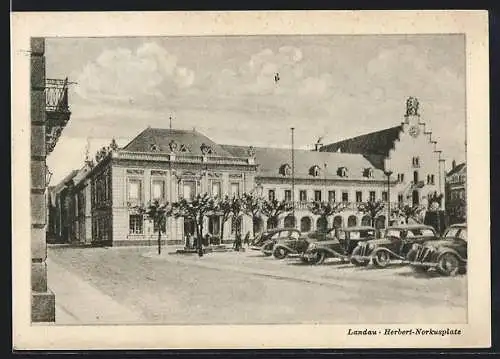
{"x": 414, "y": 131}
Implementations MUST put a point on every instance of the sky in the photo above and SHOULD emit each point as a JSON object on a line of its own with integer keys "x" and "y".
{"x": 332, "y": 87}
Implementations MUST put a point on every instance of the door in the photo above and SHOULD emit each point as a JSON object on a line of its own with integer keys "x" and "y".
{"x": 415, "y": 198}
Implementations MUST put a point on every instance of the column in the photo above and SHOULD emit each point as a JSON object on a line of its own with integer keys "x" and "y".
{"x": 42, "y": 299}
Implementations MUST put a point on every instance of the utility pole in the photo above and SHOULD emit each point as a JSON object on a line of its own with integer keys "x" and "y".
{"x": 388, "y": 174}
{"x": 293, "y": 178}
{"x": 170, "y": 118}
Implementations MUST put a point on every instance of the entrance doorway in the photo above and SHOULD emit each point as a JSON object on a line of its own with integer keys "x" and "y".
{"x": 415, "y": 198}
{"x": 189, "y": 228}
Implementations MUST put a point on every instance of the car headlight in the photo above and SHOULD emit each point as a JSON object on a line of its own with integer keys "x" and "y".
{"x": 415, "y": 246}
{"x": 371, "y": 246}
{"x": 312, "y": 246}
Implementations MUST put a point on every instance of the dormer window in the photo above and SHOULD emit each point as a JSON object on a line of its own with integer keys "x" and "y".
{"x": 342, "y": 172}
{"x": 415, "y": 162}
{"x": 285, "y": 170}
{"x": 314, "y": 171}
{"x": 154, "y": 148}
{"x": 368, "y": 172}
{"x": 183, "y": 148}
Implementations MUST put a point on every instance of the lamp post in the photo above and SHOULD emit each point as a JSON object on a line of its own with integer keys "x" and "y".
{"x": 293, "y": 178}
{"x": 324, "y": 183}
{"x": 388, "y": 173}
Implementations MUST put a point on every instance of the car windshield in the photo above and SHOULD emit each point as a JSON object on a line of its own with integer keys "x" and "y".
{"x": 294, "y": 235}
{"x": 426, "y": 232}
{"x": 342, "y": 235}
{"x": 463, "y": 234}
{"x": 451, "y": 233}
{"x": 393, "y": 233}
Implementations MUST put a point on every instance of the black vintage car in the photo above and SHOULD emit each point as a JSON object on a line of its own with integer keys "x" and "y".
{"x": 338, "y": 247}
{"x": 269, "y": 238}
{"x": 293, "y": 246}
{"x": 395, "y": 245}
{"x": 448, "y": 255}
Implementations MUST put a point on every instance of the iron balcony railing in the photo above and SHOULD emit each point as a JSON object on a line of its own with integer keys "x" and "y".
{"x": 56, "y": 95}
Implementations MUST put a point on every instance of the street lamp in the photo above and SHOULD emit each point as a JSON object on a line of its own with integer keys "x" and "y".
{"x": 388, "y": 174}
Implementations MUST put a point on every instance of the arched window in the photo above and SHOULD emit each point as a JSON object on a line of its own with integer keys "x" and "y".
{"x": 289, "y": 221}
{"x": 366, "y": 221}
{"x": 337, "y": 222}
{"x": 352, "y": 221}
{"x": 272, "y": 223}
{"x": 305, "y": 224}
{"x": 322, "y": 224}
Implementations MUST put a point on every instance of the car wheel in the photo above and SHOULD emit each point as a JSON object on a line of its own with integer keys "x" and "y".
{"x": 381, "y": 259}
{"x": 304, "y": 260}
{"x": 358, "y": 262}
{"x": 267, "y": 254}
{"x": 280, "y": 253}
{"x": 319, "y": 257}
{"x": 448, "y": 264}
{"x": 462, "y": 270}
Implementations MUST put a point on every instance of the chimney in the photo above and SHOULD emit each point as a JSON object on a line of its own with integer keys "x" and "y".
{"x": 453, "y": 164}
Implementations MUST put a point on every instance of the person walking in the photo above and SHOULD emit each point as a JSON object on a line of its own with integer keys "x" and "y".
{"x": 246, "y": 241}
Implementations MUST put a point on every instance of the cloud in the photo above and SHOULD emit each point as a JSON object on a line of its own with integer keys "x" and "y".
{"x": 145, "y": 75}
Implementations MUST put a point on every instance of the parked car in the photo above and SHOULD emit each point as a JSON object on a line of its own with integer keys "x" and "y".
{"x": 395, "y": 244}
{"x": 293, "y": 246}
{"x": 269, "y": 238}
{"x": 448, "y": 255}
{"x": 338, "y": 247}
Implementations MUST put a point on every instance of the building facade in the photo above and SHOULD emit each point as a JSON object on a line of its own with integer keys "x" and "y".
{"x": 397, "y": 166}
{"x": 456, "y": 192}
{"x": 49, "y": 115}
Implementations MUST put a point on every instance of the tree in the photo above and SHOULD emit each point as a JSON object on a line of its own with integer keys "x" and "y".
{"x": 252, "y": 206}
{"x": 157, "y": 213}
{"x": 410, "y": 212}
{"x": 326, "y": 209}
{"x": 272, "y": 209}
{"x": 435, "y": 198}
{"x": 196, "y": 210}
{"x": 236, "y": 214}
{"x": 372, "y": 209}
{"x": 224, "y": 209}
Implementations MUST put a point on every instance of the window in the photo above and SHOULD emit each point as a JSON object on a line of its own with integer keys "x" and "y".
{"x": 400, "y": 198}
{"x": 415, "y": 177}
{"x": 372, "y": 196}
{"x": 288, "y": 195}
{"x": 331, "y": 196}
{"x": 235, "y": 189}
{"x": 401, "y": 177}
{"x": 317, "y": 195}
{"x": 432, "y": 179}
{"x": 157, "y": 192}
{"x": 314, "y": 171}
{"x": 359, "y": 196}
{"x": 345, "y": 196}
{"x": 415, "y": 162}
{"x": 303, "y": 196}
{"x": 216, "y": 189}
{"x": 271, "y": 194}
{"x": 188, "y": 190}
{"x": 135, "y": 224}
{"x": 134, "y": 191}
{"x": 384, "y": 196}
{"x": 342, "y": 172}
{"x": 368, "y": 172}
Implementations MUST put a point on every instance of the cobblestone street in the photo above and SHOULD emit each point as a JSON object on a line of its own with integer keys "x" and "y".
{"x": 138, "y": 286}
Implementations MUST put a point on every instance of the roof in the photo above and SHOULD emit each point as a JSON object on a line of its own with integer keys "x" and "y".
{"x": 58, "y": 187}
{"x": 457, "y": 169}
{"x": 374, "y": 143}
{"x": 358, "y": 228}
{"x": 271, "y": 159}
{"x": 162, "y": 139}
{"x": 411, "y": 226}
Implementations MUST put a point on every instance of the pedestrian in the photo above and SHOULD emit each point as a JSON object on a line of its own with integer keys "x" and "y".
{"x": 188, "y": 241}
{"x": 247, "y": 239}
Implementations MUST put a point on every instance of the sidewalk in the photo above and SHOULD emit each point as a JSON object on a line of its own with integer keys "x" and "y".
{"x": 78, "y": 302}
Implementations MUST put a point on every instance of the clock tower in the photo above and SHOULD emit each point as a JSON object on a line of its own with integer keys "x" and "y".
{"x": 412, "y": 116}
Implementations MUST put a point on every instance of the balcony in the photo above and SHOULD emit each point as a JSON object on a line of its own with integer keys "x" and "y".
{"x": 353, "y": 206}
{"x": 56, "y": 109}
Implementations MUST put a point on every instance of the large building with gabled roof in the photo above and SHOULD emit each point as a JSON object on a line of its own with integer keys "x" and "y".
{"x": 167, "y": 164}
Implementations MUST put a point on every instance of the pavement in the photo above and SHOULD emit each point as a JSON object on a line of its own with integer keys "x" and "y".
{"x": 136, "y": 285}
{"x": 78, "y": 302}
